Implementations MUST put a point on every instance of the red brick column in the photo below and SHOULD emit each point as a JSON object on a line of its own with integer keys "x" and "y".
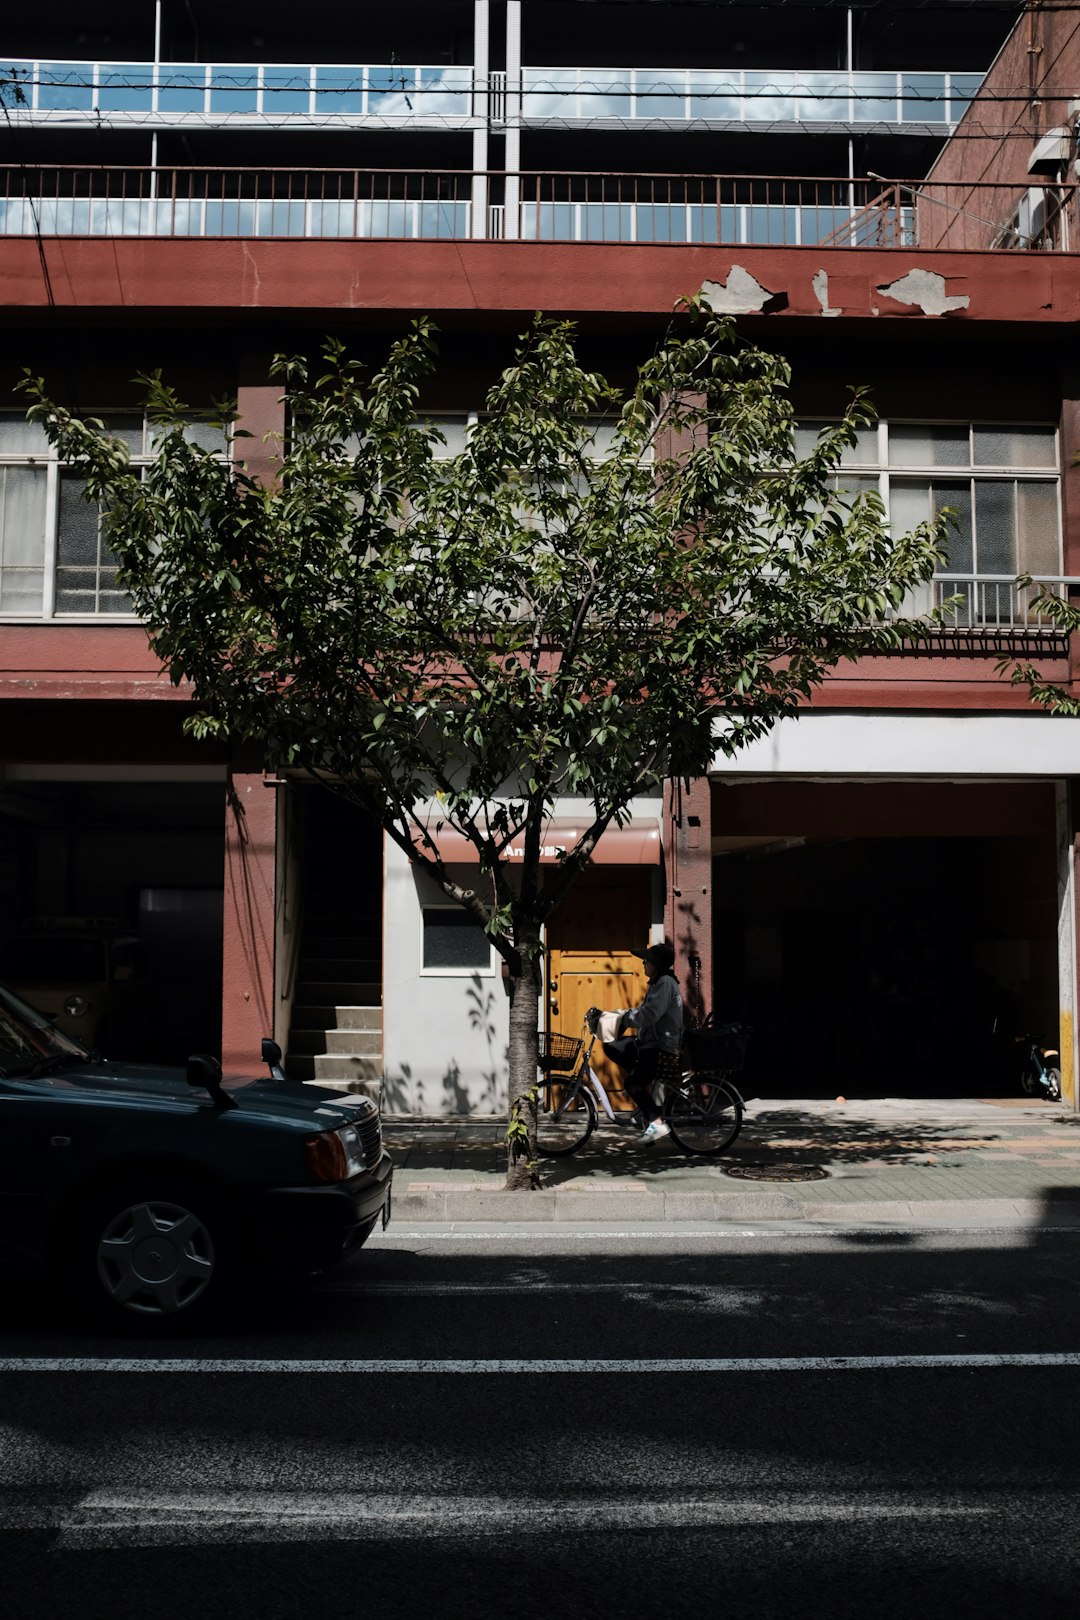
{"x": 247, "y": 946}
{"x": 688, "y": 920}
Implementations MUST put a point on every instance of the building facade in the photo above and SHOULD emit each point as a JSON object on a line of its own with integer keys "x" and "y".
{"x": 187, "y": 190}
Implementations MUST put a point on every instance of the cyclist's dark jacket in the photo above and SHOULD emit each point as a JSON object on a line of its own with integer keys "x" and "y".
{"x": 659, "y": 1019}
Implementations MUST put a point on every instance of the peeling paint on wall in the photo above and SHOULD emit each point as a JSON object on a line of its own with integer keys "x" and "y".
{"x": 741, "y": 294}
{"x": 926, "y": 290}
{"x": 820, "y": 284}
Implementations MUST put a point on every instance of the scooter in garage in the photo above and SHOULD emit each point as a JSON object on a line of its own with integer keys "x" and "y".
{"x": 1041, "y": 1074}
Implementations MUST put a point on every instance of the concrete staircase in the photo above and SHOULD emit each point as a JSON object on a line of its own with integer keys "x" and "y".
{"x": 335, "y": 1036}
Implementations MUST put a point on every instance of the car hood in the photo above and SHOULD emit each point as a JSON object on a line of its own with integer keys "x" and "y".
{"x": 286, "y": 1100}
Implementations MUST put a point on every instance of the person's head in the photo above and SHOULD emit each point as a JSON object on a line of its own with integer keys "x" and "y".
{"x": 658, "y": 960}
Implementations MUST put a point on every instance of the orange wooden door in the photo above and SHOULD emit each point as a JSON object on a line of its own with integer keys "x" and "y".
{"x": 590, "y": 939}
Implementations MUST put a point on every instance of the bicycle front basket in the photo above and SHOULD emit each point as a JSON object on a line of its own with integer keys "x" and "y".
{"x": 558, "y": 1053}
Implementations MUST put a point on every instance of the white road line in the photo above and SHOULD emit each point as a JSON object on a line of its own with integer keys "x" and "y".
{"x": 111, "y": 1518}
{"x": 740, "y": 1297}
{"x": 484, "y": 1366}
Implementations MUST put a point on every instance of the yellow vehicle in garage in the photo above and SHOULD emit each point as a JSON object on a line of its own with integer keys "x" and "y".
{"x": 85, "y": 974}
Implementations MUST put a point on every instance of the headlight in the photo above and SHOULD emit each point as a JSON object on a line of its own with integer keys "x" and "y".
{"x": 76, "y": 1006}
{"x": 334, "y": 1155}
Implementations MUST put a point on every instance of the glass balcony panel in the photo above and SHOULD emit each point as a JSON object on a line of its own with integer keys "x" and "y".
{"x": 821, "y": 96}
{"x": 550, "y": 92}
{"x": 229, "y": 216}
{"x": 964, "y": 87}
{"x": 16, "y": 216}
{"x": 125, "y": 87}
{"x": 282, "y": 216}
{"x": 708, "y": 223}
{"x": 818, "y": 222}
{"x": 286, "y": 90}
{"x": 181, "y": 87}
{"x": 923, "y": 98}
{"x": 658, "y": 222}
{"x": 605, "y": 93}
{"x": 391, "y": 92}
{"x": 444, "y": 92}
{"x": 65, "y": 86}
{"x": 339, "y": 90}
{"x": 233, "y": 89}
{"x": 715, "y": 96}
{"x": 17, "y": 84}
{"x": 660, "y": 94}
{"x": 874, "y": 98}
{"x": 772, "y": 225}
{"x": 769, "y": 98}
{"x": 385, "y": 217}
{"x": 443, "y": 220}
{"x": 333, "y": 218}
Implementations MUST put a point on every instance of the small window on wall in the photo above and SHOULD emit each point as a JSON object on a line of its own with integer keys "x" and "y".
{"x": 453, "y": 943}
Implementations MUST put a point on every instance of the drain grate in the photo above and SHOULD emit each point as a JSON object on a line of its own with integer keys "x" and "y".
{"x": 776, "y": 1172}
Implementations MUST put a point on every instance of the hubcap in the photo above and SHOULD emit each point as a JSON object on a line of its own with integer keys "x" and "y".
{"x": 155, "y": 1258}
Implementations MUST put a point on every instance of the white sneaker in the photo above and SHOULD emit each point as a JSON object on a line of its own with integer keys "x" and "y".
{"x": 653, "y": 1132}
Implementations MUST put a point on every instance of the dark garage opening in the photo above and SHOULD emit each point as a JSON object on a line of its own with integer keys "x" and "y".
{"x": 888, "y": 965}
{"x": 111, "y": 894}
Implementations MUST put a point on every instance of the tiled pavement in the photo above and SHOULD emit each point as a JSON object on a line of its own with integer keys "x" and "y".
{"x": 890, "y": 1160}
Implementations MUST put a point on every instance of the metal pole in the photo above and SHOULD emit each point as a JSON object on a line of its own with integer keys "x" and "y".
{"x": 1066, "y": 891}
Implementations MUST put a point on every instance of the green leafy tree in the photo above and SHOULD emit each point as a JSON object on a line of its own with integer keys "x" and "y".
{"x": 1063, "y": 615}
{"x": 594, "y": 594}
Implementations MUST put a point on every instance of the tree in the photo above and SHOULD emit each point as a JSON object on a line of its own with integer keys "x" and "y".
{"x": 553, "y": 610}
{"x": 1063, "y": 615}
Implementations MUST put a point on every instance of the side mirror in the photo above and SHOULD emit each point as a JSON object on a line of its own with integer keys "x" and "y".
{"x": 271, "y": 1053}
{"x": 205, "y": 1071}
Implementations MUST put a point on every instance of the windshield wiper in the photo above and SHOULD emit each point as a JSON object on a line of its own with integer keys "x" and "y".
{"x": 57, "y": 1060}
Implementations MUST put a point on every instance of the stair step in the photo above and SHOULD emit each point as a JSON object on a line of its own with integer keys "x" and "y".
{"x": 350, "y": 1042}
{"x": 326, "y": 942}
{"x": 334, "y": 1066}
{"x": 318, "y": 1017}
{"x": 338, "y": 993}
{"x": 353, "y": 969}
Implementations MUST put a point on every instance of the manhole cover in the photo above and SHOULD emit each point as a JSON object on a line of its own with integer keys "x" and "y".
{"x": 776, "y": 1172}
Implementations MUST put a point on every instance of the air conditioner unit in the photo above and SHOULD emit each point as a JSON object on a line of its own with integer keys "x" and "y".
{"x": 1049, "y": 153}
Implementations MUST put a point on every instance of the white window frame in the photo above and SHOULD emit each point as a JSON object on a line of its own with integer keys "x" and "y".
{"x": 54, "y": 470}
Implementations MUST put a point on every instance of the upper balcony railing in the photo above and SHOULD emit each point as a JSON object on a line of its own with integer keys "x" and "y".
{"x": 743, "y": 96}
{"x": 408, "y": 204}
{"x": 168, "y": 92}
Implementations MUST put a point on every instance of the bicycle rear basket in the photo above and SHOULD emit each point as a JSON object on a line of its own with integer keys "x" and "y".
{"x": 558, "y": 1053}
{"x": 719, "y": 1047}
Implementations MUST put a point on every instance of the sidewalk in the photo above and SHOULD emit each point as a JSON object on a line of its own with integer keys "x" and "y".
{"x": 893, "y": 1160}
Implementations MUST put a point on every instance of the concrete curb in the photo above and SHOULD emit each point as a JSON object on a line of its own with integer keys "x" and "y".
{"x": 450, "y": 1201}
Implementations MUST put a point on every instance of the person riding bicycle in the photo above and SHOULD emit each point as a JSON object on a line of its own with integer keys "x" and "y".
{"x": 658, "y": 1022}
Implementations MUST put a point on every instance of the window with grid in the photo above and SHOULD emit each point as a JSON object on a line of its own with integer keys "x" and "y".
{"x": 55, "y": 561}
{"x": 1002, "y": 486}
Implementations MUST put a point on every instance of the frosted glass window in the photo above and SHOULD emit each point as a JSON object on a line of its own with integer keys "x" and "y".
{"x": 1037, "y": 528}
{"x": 454, "y": 430}
{"x": 18, "y": 437}
{"x": 22, "y": 538}
{"x": 1015, "y": 447}
{"x": 863, "y": 453}
{"x": 916, "y": 446}
{"x": 995, "y": 526}
{"x": 85, "y": 566}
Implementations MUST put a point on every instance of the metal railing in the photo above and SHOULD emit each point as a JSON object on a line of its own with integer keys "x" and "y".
{"x": 416, "y": 204}
{"x": 995, "y": 601}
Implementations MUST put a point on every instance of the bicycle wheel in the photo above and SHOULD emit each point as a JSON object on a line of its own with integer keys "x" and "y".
{"x": 565, "y": 1118}
{"x": 705, "y": 1113}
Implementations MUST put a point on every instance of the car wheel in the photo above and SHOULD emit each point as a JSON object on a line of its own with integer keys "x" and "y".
{"x": 155, "y": 1254}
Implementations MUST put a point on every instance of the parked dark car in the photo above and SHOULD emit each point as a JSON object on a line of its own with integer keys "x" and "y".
{"x": 155, "y": 1193}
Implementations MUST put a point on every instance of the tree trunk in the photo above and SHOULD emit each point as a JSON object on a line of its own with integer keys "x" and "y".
{"x": 523, "y": 1169}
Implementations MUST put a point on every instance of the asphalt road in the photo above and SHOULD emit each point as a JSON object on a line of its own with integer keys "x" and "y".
{"x": 767, "y": 1421}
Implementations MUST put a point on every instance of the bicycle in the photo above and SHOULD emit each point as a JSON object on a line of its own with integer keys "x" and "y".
{"x": 702, "y": 1107}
